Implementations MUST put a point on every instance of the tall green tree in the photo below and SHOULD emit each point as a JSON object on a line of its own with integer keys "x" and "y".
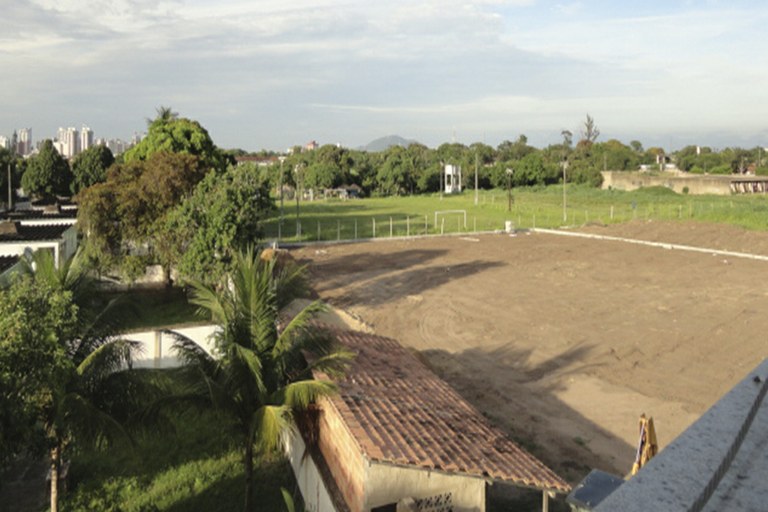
{"x": 261, "y": 378}
{"x": 223, "y": 215}
{"x": 172, "y": 134}
{"x": 90, "y": 167}
{"x": 76, "y": 378}
{"x": 47, "y": 174}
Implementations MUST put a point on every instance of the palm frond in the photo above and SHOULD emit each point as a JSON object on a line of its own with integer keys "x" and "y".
{"x": 297, "y": 326}
{"x": 267, "y": 426}
{"x": 300, "y": 394}
{"x": 88, "y": 422}
{"x": 334, "y": 363}
{"x": 189, "y": 352}
{"x": 110, "y": 357}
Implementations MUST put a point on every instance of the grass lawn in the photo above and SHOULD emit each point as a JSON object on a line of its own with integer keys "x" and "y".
{"x": 531, "y": 207}
{"x": 158, "y": 308}
{"x": 196, "y": 468}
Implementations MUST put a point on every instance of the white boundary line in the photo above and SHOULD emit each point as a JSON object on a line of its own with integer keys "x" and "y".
{"x": 663, "y": 245}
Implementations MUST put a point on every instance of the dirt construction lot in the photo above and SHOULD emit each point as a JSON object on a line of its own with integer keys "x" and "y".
{"x": 563, "y": 342}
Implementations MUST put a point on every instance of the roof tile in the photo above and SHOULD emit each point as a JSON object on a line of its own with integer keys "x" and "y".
{"x": 400, "y": 412}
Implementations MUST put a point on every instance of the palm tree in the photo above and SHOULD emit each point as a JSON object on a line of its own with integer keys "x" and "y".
{"x": 261, "y": 376}
{"x": 88, "y": 400}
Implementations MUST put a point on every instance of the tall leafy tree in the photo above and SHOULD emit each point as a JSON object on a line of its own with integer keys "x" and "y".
{"x": 90, "y": 167}
{"x": 172, "y": 134}
{"x": 223, "y": 215}
{"x": 47, "y": 174}
{"x": 261, "y": 377}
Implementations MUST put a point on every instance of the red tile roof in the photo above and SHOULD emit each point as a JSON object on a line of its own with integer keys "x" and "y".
{"x": 400, "y": 412}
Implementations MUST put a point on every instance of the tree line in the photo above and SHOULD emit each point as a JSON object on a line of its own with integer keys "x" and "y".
{"x": 177, "y": 200}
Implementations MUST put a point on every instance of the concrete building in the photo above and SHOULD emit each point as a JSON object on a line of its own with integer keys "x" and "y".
{"x": 86, "y": 138}
{"x": 396, "y": 437}
{"x": 17, "y": 238}
{"x": 24, "y": 144}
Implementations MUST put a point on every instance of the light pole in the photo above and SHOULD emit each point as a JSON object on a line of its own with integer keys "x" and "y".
{"x": 297, "y": 170}
{"x": 565, "y": 211}
{"x": 476, "y": 198}
{"x": 509, "y": 188}
{"x": 282, "y": 211}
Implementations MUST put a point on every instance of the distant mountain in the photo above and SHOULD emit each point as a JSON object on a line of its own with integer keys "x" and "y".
{"x": 384, "y": 143}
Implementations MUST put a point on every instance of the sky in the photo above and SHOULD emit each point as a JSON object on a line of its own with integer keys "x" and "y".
{"x": 269, "y": 74}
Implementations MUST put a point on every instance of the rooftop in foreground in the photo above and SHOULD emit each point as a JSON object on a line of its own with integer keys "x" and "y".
{"x": 718, "y": 463}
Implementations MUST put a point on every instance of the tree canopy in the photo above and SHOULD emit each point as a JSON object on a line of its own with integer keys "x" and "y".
{"x": 90, "y": 167}
{"x": 169, "y": 133}
{"x": 224, "y": 214}
{"x": 47, "y": 173}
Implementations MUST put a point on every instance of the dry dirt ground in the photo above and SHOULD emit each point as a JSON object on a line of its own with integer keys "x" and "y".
{"x": 563, "y": 342}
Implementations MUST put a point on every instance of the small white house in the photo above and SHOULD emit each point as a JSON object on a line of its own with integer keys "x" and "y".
{"x": 452, "y": 176}
{"x": 17, "y": 238}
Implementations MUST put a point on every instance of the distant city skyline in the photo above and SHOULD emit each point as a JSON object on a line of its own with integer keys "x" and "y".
{"x": 268, "y": 75}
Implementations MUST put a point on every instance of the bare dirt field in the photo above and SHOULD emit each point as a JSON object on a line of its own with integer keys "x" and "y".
{"x": 563, "y": 342}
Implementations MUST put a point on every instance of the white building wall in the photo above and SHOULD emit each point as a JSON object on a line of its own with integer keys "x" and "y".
{"x": 386, "y": 483}
{"x": 156, "y": 347}
{"x": 313, "y": 489}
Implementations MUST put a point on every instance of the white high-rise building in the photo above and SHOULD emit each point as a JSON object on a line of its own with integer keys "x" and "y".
{"x": 86, "y": 138}
{"x": 5, "y": 142}
{"x": 25, "y": 141}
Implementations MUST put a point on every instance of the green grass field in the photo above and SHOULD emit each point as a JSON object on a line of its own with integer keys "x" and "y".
{"x": 194, "y": 466}
{"x": 540, "y": 207}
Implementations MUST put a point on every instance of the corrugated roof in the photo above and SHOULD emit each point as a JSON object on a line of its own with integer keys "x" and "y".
{"x": 7, "y": 262}
{"x": 401, "y": 413}
{"x": 34, "y": 233}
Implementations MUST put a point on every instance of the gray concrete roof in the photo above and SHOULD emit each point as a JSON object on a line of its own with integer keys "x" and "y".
{"x": 718, "y": 463}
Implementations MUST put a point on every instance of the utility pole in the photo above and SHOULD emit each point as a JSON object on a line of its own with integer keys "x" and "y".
{"x": 10, "y": 189}
{"x": 476, "y": 197}
{"x": 297, "y": 169}
{"x": 282, "y": 211}
{"x": 509, "y": 189}
{"x": 565, "y": 211}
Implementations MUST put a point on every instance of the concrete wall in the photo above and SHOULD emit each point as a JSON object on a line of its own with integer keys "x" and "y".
{"x": 156, "y": 348}
{"x": 343, "y": 456}
{"x": 313, "y": 490}
{"x": 388, "y": 483}
{"x": 717, "y": 185}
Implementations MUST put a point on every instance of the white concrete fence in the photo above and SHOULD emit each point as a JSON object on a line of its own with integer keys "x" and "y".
{"x": 156, "y": 346}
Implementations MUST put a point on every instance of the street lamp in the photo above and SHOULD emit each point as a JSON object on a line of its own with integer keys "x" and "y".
{"x": 565, "y": 211}
{"x": 297, "y": 170}
{"x": 282, "y": 211}
{"x": 509, "y": 188}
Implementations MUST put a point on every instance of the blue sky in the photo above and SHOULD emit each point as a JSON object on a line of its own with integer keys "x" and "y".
{"x": 270, "y": 74}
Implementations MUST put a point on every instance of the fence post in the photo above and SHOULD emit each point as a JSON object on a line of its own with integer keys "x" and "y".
{"x": 355, "y": 229}
{"x": 442, "y": 226}
{"x": 611, "y": 212}
{"x": 338, "y": 229}
{"x": 374, "y": 227}
{"x": 407, "y": 226}
{"x": 390, "y": 227}
{"x": 426, "y": 224}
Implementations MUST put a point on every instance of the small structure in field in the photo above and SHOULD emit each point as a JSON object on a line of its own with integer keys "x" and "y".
{"x": 452, "y": 177}
{"x": 397, "y": 437}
